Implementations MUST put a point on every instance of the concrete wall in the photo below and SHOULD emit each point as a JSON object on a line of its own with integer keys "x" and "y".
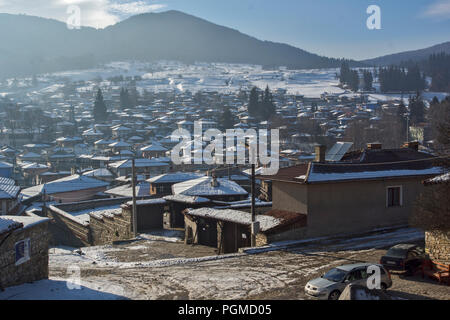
{"x": 346, "y": 207}
{"x": 289, "y": 197}
{"x": 32, "y": 270}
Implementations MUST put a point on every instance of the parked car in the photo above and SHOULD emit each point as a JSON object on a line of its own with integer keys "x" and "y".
{"x": 403, "y": 257}
{"x": 332, "y": 283}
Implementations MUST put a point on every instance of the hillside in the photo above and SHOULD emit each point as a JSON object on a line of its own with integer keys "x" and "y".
{"x": 415, "y": 55}
{"x": 35, "y": 45}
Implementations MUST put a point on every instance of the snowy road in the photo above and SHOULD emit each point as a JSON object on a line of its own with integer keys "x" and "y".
{"x": 186, "y": 272}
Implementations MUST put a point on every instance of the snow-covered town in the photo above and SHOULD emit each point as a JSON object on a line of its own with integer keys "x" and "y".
{"x": 63, "y": 170}
{"x": 116, "y": 182}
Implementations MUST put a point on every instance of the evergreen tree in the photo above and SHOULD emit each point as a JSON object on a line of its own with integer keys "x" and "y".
{"x": 368, "y": 80}
{"x": 227, "y": 119}
{"x": 268, "y": 108}
{"x": 124, "y": 99}
{"x": 253, "y": 104}
{"x": 100, "y": 111}
{"x": 417, "y": 109}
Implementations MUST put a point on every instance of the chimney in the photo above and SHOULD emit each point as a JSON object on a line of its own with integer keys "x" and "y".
{"x": 214, "y": 182}
{"x": 414, "y": 145}
{"x": 374, "y": 146}
{"x": 320, "y": 153}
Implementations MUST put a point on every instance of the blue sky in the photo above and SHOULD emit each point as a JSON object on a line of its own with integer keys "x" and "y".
{"x": 335, "y": 28}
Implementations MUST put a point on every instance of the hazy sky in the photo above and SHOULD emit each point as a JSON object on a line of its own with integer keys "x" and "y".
{"x": 334, "y": 28}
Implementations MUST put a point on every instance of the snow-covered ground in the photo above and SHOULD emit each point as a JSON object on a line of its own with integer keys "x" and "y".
{"x": 108, "y": 272}
{"x": 220, "y": 77}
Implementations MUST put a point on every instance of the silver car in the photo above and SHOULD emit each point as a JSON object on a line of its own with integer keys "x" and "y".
{"x": 331, "y": 284}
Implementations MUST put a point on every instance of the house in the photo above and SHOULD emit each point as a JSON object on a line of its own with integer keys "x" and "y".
{"x": 6, "y": 169}
{"x": 126, "y": 190}
{"x": 24, "y": 249}
{"x": 100, "y": 174}
{"x": 162, "y": 185}
{"x": 229, "y": 229}
{"x": 211, "y": 188}
{"x": 155, "y": 150}
{"x": 142, "y": 166}
{"x": 68, "y": 189}
{"x": 177, "y": 204}
{"x": 372, "y": 188}
{"x": 9, "y": 196}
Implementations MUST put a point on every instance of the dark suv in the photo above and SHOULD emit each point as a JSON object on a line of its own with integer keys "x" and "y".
{"x": 403, "y": 257}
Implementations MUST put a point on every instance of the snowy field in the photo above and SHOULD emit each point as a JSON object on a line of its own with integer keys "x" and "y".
{"x": 155, "y": 268}
{"x": 221, "y": 77}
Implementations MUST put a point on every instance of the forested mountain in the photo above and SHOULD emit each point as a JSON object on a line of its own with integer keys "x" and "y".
{"x": 31, "y": 45}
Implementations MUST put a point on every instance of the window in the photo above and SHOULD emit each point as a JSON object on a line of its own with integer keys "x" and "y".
{"x": 394, "y": 196}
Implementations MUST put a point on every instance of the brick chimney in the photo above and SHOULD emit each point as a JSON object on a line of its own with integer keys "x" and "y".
{"x": 414, "y": 145}
{"x": 374, "y": 146}
{"x": 214, "y": 182}
{"x": 320, "y": 153}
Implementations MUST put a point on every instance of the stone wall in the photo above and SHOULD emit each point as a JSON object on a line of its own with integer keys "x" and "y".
{"x": 32, "y": 270}
{"x": 105, "y": 229}
{"x": 437, "y": 244}
{"x": 67, "y": 231}
{"x": 263, "y": 239}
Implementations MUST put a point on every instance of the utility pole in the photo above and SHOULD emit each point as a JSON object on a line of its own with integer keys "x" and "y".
{"x": 133, "y": 185}
{"x": 254, "y": 227}
{"x": 407, "y": 127}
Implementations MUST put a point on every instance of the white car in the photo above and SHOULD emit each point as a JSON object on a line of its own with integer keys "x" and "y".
{"x": 331, "y": 284}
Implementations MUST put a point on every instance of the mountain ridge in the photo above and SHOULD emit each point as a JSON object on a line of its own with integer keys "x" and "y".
{"x": 38, "y": 45}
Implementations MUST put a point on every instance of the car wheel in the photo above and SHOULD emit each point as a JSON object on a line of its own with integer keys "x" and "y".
{"x": 383, "y": 286}
{"x": 334, "y": 295}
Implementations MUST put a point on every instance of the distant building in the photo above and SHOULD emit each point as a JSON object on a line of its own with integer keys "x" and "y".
{"x": 69, "y": 189}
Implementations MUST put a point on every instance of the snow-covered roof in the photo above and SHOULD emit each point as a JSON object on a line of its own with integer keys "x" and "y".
{"x": 175, "y": 177}
{"x": 142, "y": 190}
{"x": 8, "y": 223}
{"x": 34, "y": 165}
{"x": 119, "y": 144}
{"x": 443, "y": 178}
{"x": 354, "y": 172}
{"x": 148, "y": 202}
{"x": 102, "y": 172}
{"x": 154, "y": 147}
{"x": 8, "y": 191}
{"x": 66, "y": 184}
{"x": 186, "y": 199}
{"x": 236, "y": 216}
{"x": 139, "y": 163}
{"x": 5, "y": 165}
{"x": 30, "y": 155}
{"x": 204, "y": 187}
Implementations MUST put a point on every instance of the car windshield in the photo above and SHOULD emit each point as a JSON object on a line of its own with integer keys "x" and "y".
{"x": 396, "y": 253}
{"x": 335, "y": 275}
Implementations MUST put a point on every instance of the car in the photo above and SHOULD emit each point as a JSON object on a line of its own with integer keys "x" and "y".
{"x": 403, "y": 257}
{"x": 330, "y": 285}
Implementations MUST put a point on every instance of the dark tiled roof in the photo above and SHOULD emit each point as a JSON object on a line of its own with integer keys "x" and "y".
{"x": 385, "y": 155}
{"x": 287, "y": 174}
{"x": 289, "y": 220}
{"x": 321, "y": 172}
